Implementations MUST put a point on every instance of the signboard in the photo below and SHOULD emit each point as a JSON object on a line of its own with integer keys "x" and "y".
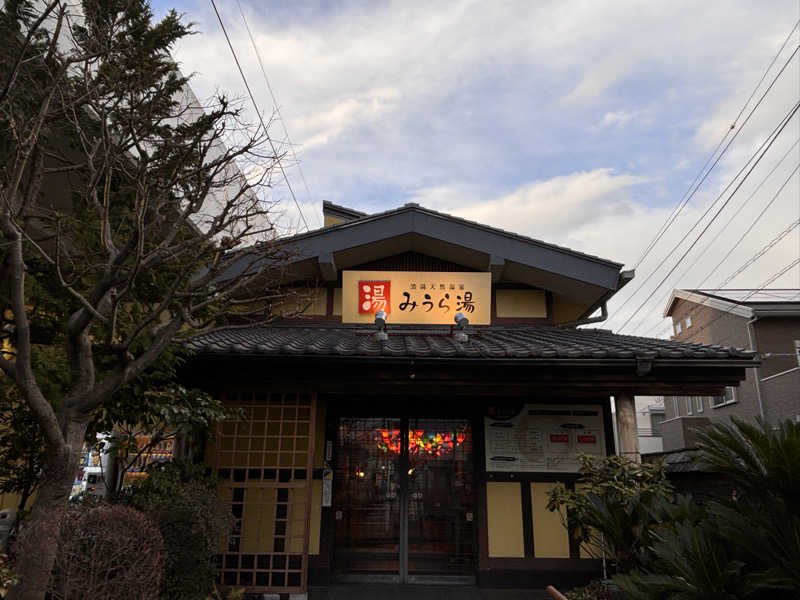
{"x": 416, "y": 297}
{"x": 544, "y": 438}
{"x": 327, "y": 487}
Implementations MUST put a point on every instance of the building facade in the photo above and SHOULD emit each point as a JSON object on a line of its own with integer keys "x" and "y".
{"x": 428, "y": 386}
{"x": 649, "y": 418}
{"x": 767, "y": 322}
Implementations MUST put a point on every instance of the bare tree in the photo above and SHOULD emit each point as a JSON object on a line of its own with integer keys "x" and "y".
{"x": 124, "y": 210}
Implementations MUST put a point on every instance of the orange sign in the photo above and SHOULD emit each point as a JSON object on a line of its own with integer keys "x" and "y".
{"x": 416, "y": 297}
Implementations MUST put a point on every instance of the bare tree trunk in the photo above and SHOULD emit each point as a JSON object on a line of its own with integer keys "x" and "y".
{"x": 42, "y": 527}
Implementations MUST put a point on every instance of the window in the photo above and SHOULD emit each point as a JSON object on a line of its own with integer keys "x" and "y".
{"x": 797, "y": 350}
{"x": 677, "y": 327}
{"x": 728, "y": 397}
{"x": 675, "y": 408}
{"x": 656, "y": 419}
{"x": 689, "y": 405}
{"x": 698, "y": 403}
{"x": 688, "y": 322}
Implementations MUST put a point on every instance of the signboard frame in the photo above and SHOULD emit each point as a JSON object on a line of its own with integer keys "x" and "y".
{"x": 417, "y": 297}
{"x": 544, "y": 438}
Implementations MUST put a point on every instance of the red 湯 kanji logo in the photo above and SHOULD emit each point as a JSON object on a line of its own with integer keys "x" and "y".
{"x": 373, "y": 296}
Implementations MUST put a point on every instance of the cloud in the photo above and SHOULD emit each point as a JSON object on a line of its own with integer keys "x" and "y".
{"x": 327, "y": 124}
{"x": 582, "y": 122}
{"x": 547, "y": 209}
{"x": 598, "y": 79}
{"x": 622, "y": 117}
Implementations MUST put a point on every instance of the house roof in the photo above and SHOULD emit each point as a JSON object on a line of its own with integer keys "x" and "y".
{"x": 321, "y": 254}
{"x": 529, "y": 344}
{"x": 746, "y": 303}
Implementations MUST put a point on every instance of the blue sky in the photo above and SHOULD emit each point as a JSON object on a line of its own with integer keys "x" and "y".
{"x": 580, "y": 123}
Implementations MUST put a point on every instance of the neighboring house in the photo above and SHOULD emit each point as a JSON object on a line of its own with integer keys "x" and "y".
{"x": 649, "y": 417}
{"x": 765, "y": 321}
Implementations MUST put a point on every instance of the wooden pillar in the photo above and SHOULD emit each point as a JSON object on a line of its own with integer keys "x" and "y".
{"x": 626, "y": 427}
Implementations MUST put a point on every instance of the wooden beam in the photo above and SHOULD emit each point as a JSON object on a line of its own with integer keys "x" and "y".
{"x": 626, "y": 427}
{"x": 327, "y": 267}
{"x": 496, "y": 266}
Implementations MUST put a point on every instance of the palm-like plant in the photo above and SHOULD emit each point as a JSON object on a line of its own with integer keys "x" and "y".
{"x": 746, "y": 546}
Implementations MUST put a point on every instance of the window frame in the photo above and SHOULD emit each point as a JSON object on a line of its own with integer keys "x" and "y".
{"x": 725, "y": 400}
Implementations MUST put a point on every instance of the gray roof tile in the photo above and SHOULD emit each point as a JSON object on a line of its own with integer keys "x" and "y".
{"x": 522, "y": 342}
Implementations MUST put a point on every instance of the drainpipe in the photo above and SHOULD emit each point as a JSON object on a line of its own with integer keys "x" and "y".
{"x": 751, "y": 337}
{"x": 603, "y": 316}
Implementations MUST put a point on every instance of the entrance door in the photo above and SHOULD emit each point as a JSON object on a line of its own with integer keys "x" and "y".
{"x": 367, "y": 497}
{"x": 403, "y": 501}
{"x": 440, "y": 498}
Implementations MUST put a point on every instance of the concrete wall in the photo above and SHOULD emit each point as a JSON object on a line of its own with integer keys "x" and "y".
{"x": 650, "y": 440}
{"x": 680, "y": 433}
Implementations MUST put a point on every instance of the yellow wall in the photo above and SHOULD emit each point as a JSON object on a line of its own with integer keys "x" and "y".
{"x": 550, "y": 537}
{"x": 330, "y": 220}
{"x": 337, "y": 302}
{"x": 521, "y": 303}
{"x": 589, "y": 550}
{"x": 504, "y": 516}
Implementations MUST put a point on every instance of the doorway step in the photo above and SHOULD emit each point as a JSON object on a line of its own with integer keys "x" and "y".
{"x": 419, "y": 592}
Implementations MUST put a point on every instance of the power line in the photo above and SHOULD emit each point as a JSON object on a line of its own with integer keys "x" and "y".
{"x": 727, "y": 187}
{"x": 684, "y": 200}
{"x": 771, "y": 244}
{"x": 723, "y": 229}
{"x": 274, "y": 100}
{"x": 752, "y": 293}
{"x": 776, "y": 133}
{"x": 760, "y": 253}
{"x": 258, "y": 112}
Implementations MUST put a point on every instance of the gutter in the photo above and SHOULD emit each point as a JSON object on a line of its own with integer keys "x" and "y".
{"x": 751, "y": 337}
{"x": 599, "y": 319}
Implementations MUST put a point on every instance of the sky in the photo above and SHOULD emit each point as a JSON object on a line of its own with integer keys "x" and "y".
{"x": 578, "y": 123}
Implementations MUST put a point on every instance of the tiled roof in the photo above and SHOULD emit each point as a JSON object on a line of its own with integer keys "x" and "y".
{"x": 523, "y": 342}
{"x": 679, "y": 461}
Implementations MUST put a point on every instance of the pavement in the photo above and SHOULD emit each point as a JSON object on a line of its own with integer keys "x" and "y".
{"x": 419, "y": 592}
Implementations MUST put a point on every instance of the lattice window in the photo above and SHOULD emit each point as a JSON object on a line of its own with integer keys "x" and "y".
{"x": 264, "y": 462}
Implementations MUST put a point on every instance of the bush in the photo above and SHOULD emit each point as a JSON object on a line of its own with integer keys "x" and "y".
{"x": 742, "y": 547}
{"x": 105, "y": 552}
{"x": 183, "y": 503}
{"x": 616, "y": 505}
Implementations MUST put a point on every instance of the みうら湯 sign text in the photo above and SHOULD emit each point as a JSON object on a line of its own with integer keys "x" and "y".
{"x": 412, "y": 297}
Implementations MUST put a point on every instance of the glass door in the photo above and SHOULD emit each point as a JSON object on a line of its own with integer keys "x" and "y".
{"x": 403, "y": 500}
{"x": 441, "y": 540}
{"x": 366, "y": 500}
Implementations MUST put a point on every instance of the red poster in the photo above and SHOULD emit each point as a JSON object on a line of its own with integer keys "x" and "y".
{"x": 587, "y": 439}
{"x": 374, "y": 296}
{"x": 559, "y": 438}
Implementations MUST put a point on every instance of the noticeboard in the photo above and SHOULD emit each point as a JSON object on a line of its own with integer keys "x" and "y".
{"x": 544, "y": 438}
